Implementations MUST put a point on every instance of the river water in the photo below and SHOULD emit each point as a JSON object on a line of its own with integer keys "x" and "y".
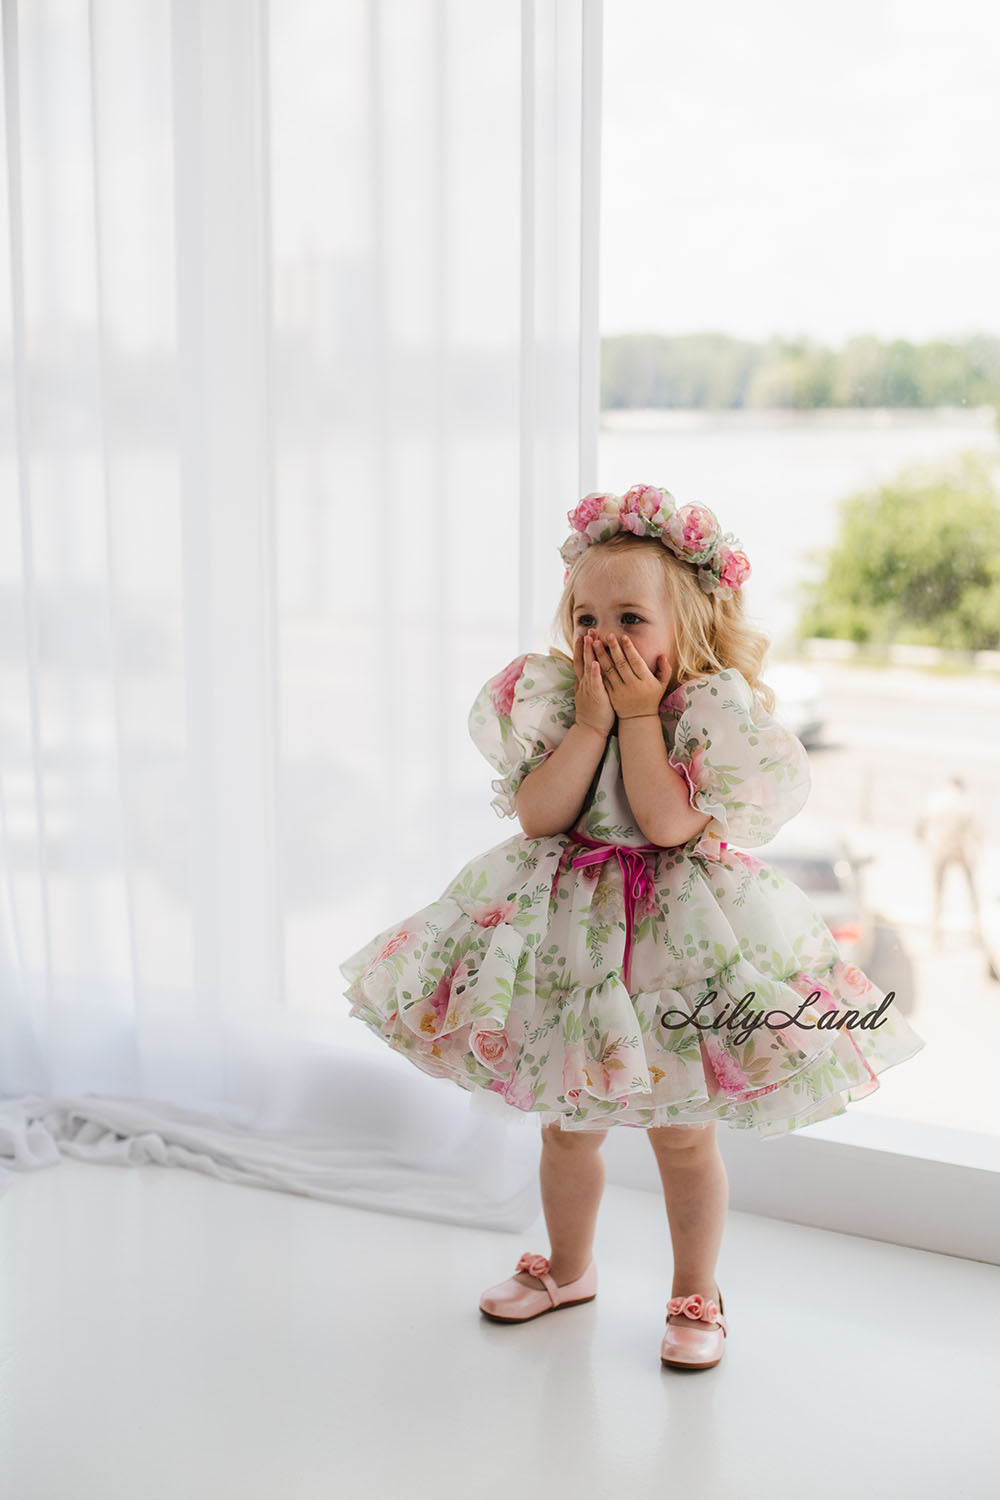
{"x": 776, "y": 478}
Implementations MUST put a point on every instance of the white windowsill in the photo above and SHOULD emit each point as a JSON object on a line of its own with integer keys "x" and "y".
{"x": 941, "y": 1143}
{"x": 901, "y": 1181}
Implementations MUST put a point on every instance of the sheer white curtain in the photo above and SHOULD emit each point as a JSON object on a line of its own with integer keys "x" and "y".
{"x": 299, "y": 380}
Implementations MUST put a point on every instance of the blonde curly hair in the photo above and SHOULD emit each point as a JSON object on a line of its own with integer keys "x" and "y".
{"x": 709, "y": 633}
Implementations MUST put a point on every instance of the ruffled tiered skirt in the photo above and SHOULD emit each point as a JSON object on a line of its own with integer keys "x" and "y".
{"x": 739, "y": 1007}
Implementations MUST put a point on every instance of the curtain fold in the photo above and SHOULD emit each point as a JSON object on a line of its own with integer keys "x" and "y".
{"x": 300, "y": 378}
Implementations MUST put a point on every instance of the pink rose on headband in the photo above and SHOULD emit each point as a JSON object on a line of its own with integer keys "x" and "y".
{"x": 573, "y": 547}
{"x": 735, "y": 569}
{"x": 589, "y": 509}
{"x": 641, "y": 500}
{"x": 643, "y": 505}
{"x": 694, "y": 531}
{"x": 597, "y": 517}
{"x": 504, "y": 683}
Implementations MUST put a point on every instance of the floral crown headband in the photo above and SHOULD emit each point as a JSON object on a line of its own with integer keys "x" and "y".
{"x": 692, "y": 532}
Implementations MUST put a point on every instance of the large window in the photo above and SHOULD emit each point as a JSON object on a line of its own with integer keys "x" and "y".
{"x": 800, "y": 325}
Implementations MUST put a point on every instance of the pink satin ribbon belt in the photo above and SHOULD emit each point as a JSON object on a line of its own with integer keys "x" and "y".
{"x": 636, "y": 878}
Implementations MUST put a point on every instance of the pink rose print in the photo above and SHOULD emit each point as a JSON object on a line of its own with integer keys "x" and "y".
{"x": 673, "y": 703}
{"x": 606, "y": 1078}
{"x": 503, "y": 685}
{"x": 699, "y": 777}
{"x": 694, "y": 530}
{"x": 520, "y": 1094}
{"x": 603, "y": 1074}
{"x": 728, "y": 1073}
{"x": 491, "y": 916}
{"x": 431, "y": 1020}
{"x": 693, "y": 770}
{"x": 441, "y": 997}
{"x": 571, "y": 1079}
{"x": 492, "y": 1048}
{"x": 753, "y": 865}
{"x": 804, "y": 984}
{"x": 859, "y": 984}
{"x": 396, "y": 944}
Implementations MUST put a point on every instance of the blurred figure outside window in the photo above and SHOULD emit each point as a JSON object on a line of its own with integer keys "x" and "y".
{"x": 948, "y": 828}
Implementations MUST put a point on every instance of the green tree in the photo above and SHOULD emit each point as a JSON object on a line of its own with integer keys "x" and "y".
{"x": 917, "y": 561}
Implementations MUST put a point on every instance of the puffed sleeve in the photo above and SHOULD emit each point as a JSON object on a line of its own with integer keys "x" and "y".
{"x": 519, "y": 717}
{"x": 741, "y": 765}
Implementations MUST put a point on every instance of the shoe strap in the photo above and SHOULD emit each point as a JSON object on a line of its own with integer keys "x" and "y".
{"x": 552, "y": 1287}
{"x": 679, "y": 1330}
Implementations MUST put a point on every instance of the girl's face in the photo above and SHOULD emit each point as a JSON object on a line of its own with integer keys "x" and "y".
{"x": 626, "y": 598}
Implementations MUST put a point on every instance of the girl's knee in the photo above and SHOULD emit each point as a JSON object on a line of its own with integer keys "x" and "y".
{"x": 681, "y": 1137}
{"x": 553, "y": 1134}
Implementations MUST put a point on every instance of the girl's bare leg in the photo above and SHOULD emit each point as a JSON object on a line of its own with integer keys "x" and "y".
{"x": 696, "y": 1193}
{"x": 571, "y": 1172}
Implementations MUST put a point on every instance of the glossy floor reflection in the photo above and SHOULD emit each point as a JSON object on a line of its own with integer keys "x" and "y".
{"x": 170, "y": 1337}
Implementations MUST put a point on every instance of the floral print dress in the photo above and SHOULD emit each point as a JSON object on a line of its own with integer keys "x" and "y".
{"x": 592, "y": 978}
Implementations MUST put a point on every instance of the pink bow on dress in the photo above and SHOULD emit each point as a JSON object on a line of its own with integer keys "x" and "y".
{"x": 636, "y": 879}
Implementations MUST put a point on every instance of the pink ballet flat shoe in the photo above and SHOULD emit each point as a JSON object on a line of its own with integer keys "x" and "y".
{"x": 511, "y": 1301}
{"x": 687, "y": 1348}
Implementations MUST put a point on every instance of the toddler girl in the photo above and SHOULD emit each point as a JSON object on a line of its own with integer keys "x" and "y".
{"x": 619, "y": 962}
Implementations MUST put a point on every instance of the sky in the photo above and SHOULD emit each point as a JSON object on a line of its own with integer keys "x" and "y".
{"x": 767, "y": 168}
{"x": 780, "y": 168}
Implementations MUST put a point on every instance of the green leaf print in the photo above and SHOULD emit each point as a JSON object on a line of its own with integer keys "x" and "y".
{"x": 572, "y": 1029}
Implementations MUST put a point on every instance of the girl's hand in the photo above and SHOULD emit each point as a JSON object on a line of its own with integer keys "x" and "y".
{"x": 632, "y": 687}
{"x": 593, "y": 706}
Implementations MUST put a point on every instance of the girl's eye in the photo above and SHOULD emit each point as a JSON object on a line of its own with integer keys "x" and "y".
{"x": 585, "y": 620}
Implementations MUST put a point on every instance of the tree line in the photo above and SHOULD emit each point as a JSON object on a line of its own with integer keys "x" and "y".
{"x": 715, "y": 371}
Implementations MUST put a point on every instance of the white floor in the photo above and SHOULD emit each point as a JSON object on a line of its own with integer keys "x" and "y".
{"x": 166, "y": 1335}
